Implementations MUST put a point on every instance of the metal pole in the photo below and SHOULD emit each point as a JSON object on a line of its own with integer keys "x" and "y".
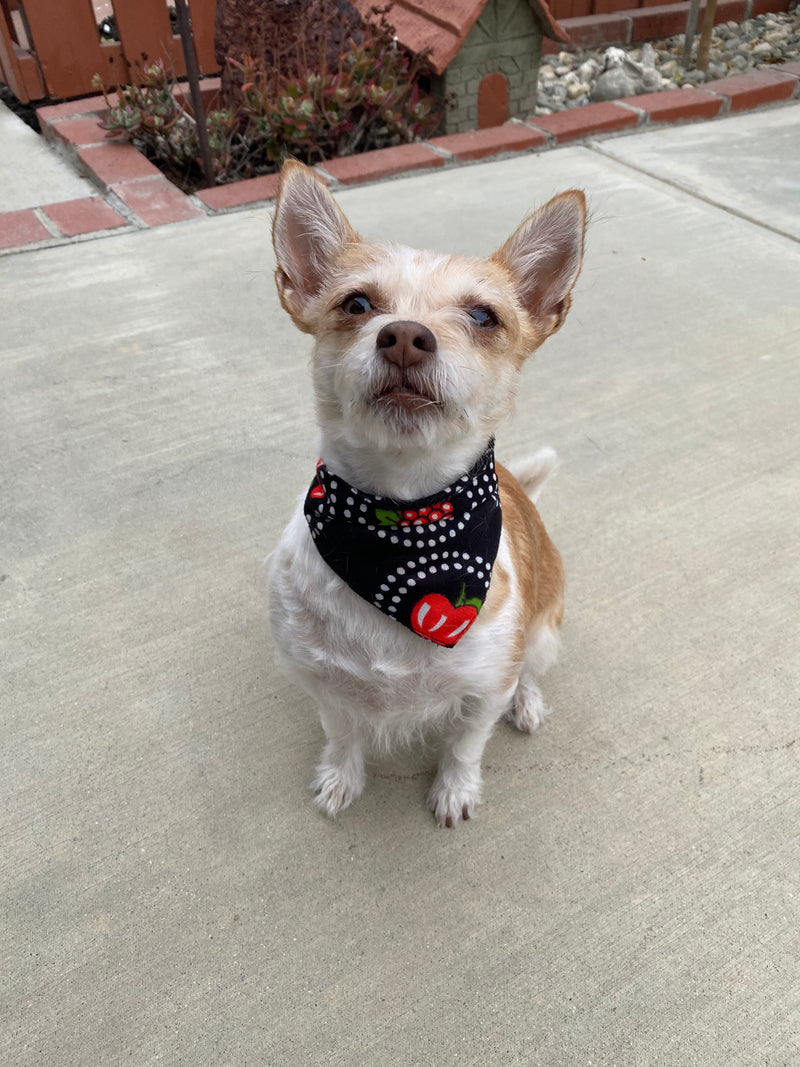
{"x": 691, "y": 29}
{"x": 189, "y": 54}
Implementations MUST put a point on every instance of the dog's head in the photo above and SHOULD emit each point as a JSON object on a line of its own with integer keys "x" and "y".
{"x": 417, "y": 351}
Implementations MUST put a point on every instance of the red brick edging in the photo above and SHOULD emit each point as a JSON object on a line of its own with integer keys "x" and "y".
{"x": 136, "y": 195}
{"x": 650, "y": 22}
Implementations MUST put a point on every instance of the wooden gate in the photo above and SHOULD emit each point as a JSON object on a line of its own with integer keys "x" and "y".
{"x": 52, "y": 48}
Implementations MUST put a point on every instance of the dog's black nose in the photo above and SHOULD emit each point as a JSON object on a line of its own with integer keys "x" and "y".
{"x": 405, "y": 343}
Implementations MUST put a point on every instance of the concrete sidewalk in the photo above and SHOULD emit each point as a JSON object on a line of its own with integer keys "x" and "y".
{"x": 89, "y": 184}
{"x": 43, "y": 198}
{"x": 31, "y": 174}
{"x": 628, "y": 894}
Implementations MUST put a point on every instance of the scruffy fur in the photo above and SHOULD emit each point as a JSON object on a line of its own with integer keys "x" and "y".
{"x": 405, "y": 428}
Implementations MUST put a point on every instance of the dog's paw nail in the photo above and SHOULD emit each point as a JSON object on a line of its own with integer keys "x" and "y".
{"x": 465, "y": 812}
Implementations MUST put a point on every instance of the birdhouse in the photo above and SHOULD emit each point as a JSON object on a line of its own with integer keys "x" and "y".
{"x": 484, "y": 54}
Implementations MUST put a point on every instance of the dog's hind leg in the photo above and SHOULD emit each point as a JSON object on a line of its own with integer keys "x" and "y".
{"x": 528, "y": 708}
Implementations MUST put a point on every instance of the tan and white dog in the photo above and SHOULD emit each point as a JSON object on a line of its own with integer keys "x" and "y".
{"x": 415, "y": 360}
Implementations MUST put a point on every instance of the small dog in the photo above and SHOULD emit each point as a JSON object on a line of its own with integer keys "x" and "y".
{"x": 380, "y": 602}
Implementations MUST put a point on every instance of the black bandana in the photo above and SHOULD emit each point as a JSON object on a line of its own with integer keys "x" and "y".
{"x": 426, "y": 563}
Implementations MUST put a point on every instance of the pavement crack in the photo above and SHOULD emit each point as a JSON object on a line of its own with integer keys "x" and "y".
{"x": 688, "y": 190}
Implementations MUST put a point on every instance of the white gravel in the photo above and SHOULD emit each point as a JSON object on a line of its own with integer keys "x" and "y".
{"x": 572, "y": 79}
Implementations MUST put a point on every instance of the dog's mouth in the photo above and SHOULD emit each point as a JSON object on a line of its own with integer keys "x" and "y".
{"x": 407, "y": 397}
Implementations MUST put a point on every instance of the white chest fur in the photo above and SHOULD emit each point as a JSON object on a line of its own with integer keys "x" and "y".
{"x": 346, "y": 651}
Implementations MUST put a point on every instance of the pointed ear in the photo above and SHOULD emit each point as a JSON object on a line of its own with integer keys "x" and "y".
{"x": 309, "y": 232}
{"x": 544, "y": 257}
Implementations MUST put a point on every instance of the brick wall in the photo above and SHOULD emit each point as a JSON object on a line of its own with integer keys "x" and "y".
{"x": 572, "y": 9}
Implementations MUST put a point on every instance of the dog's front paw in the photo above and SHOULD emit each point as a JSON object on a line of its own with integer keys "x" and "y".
{"x": 453, "y": 803}
{"x": 528, "y": 710}
{"x": 335, "y": 788}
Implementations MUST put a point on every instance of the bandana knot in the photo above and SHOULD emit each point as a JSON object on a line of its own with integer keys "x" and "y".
{"x": 425, "y": 563}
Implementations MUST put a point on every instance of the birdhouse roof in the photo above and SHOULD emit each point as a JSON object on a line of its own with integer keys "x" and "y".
{"x": 444, "y": 30}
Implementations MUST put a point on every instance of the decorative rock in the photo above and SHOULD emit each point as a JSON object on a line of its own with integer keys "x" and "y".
{"x": 619, "y": 76}
{"x": 650, "y": 79}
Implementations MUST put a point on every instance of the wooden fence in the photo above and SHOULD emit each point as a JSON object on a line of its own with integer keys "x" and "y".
{"x": 52, "y": 48}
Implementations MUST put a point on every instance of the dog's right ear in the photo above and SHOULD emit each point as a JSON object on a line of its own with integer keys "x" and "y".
{"x": 309, "y": 232}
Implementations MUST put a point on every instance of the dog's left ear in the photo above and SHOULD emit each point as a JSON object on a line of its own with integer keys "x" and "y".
{"x": 309, "y": 232}
{"x": 544, "y": 257}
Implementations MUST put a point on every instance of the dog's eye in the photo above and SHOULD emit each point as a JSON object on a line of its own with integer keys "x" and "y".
{"x": 483, "y": 317}
{"x": 356, "y": 304}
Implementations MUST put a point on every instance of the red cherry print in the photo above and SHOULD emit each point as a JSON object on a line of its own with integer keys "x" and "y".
{"x": 435, "y": 618}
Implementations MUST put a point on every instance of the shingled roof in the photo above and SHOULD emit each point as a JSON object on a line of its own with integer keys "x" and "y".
{"x": 444, "y": 30}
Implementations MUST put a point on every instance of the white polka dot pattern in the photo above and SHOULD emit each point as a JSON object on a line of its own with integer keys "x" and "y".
{"x": 425, "y": 563}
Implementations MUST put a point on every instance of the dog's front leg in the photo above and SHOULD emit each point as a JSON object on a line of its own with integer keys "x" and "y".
{"x": 340, "y": 775}
{"x": 456, "y": 790}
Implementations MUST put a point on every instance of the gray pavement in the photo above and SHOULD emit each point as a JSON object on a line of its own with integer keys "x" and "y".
{"x": 628, "y": 894}
{"x": 750, "y": 166}
{"x": 31, "y": 171}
